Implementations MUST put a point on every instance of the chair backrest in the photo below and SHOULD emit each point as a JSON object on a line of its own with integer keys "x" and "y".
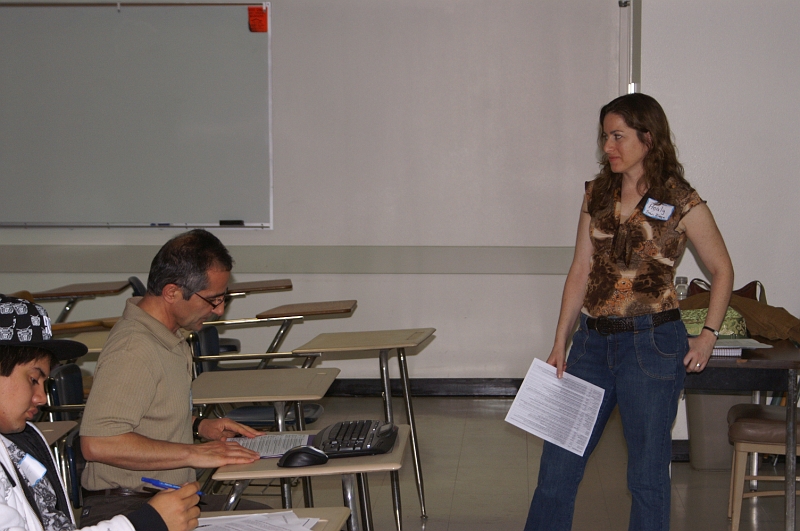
{"x": 138, "y": 286}
{"x": 65, "y": 389}
{"x": 205, "y": 342}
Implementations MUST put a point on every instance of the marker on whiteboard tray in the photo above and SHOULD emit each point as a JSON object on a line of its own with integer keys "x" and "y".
{"x": 231, "y": 223}
{"x": 160, "y": 224}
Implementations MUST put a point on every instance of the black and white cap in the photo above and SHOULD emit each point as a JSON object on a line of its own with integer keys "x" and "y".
{"x": 25, "y": 324}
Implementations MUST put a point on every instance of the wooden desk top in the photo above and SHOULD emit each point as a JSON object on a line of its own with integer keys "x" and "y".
{"x": 309, "y": 309}
{"x": 83, "y": 290}
{"x": 53, "y": 431}
{"x": 783, "y": 355}
{"x": 76, "y": 327}
{"x": 358, "y": 341}
{"x": 236, "y": 289}
{"x": 269, "y": 469}
{"x": 330, "y": 518}
{"x": 262, "y": 385}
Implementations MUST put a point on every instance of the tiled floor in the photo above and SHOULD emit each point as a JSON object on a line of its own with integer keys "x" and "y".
{"x": 480, "y": 473}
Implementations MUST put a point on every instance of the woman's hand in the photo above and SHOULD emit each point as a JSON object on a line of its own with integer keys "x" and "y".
{"x": 558, "y": 359}
{"x": 700, "y": 349}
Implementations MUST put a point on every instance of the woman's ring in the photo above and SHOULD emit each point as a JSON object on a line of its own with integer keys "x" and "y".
{"x": 698, "y": 364}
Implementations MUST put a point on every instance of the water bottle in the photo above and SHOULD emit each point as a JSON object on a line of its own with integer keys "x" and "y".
{"x": 682, "y": 287}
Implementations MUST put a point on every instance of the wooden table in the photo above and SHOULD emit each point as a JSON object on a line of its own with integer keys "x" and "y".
{"x": 264, "y": 385}
{"x": 347, "y": 467}
{"x": 289, "y": 313}
{"x": 784, "y": 356}
{"x": 382, "y": 341}
{"x": 330, "y": 518}
{"x": 73, "y": 293}
{"x": 239, "y": 289}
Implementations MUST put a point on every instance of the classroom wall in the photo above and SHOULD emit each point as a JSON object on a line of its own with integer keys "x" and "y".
{"x": 728, "y": 75}
{"x": 443, "y": 204}
{"x": 442, "y": 145}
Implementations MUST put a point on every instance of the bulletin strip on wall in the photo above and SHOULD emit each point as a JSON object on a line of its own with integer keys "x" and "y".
{"x": 299, "y": 259}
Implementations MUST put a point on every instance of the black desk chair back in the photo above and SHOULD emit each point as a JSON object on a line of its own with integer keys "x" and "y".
{"x": 65, "y": 402}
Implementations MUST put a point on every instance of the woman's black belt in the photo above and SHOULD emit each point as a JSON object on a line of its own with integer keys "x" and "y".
{"x": 615, "y": 325}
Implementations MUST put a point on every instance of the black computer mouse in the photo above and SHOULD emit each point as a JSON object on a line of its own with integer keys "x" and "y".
{"x": 303, "y": 456}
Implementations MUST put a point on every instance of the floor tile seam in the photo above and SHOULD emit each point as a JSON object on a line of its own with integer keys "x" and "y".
{"x": 458, "y": 467}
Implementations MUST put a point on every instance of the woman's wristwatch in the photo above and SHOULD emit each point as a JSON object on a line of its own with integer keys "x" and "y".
{"x": 715, "y": 332}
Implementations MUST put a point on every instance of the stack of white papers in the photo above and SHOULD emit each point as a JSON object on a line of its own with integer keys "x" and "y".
{"x": 281, "y": 521}
{"x": 733, "y": 347}
{"x": 273, "y": 445}
{"x": 562, "y": 412}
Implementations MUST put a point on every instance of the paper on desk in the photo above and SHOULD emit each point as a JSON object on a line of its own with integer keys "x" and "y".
{"x": 280, "y": 521}
{"x": 562, "y": 412}
{"x": 740, "y": 343}
{"x": 274, "y": 444}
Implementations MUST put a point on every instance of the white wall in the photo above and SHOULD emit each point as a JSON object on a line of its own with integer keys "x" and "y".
{"x": 728, "y": 75}
{"x": 726, "y": 72}
{"x": 412, "y": 123}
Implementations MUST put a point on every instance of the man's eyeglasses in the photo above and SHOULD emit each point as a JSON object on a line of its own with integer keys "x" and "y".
{"x": 214, "y": 301}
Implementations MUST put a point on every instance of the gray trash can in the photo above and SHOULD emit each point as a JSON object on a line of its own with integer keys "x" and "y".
{"x": 707, "y": 420}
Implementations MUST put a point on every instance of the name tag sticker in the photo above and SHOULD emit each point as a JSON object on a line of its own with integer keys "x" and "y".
{"x": 660, "y": 211}
{"x": 32, "y": 469}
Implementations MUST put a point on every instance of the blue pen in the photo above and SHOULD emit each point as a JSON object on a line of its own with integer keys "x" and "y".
{"x": 162, "y": 485}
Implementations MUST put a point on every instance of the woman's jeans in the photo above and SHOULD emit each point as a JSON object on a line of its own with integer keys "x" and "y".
{"x": 641, "y": 371}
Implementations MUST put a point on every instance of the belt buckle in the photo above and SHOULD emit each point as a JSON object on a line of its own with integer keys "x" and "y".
{"x": 604, "y": 326}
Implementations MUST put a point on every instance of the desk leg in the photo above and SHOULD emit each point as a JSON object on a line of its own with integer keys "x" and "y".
{"x": 277, "y": 340}
{"x": 791, "y": 450}
{"x": 398, "y": 510}
{"x": 387, "y": 406}
{"x": 387, "y": 386}
{"x": 65, "y": 312}
{"x": 756, "y": 399}
{"x": 236, "y": 494}
{"x": 300, "y": 420}
{"x": 401, "y": 358}
{"x": 348, "y": 492}
{"x": 286, "y": 483}
{"x": 366, "y": 503}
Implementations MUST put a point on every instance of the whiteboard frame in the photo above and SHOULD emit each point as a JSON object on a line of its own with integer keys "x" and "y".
{"x": 234, "y": 224}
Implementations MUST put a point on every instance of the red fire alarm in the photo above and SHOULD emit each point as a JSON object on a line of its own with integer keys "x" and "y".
{"x": 257, "y": 19}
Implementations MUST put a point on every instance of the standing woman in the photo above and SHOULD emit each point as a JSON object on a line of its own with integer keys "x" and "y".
{"x": 636, "y": 217}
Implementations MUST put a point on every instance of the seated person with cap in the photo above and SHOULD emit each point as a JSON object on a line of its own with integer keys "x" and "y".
{"x": 138, "y": 418}
{"x": 32, "y": 495}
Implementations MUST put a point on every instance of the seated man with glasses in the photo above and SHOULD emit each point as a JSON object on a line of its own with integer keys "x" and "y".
{"x": 138, "y": 419}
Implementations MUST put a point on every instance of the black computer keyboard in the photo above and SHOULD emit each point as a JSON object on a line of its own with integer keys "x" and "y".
{"x": 356, "y": 437}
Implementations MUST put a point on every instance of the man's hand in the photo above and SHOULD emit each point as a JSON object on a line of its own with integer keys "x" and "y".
{"x": 178, "y": 508}
{"x": 221, "y": 429}
{"x": 220, "y": 453}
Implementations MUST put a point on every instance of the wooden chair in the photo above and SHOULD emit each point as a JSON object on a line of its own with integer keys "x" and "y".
{"x": 754, "y": 428}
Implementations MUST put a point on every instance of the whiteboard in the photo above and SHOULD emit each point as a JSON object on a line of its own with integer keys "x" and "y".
{"x": 138, "y": 116}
